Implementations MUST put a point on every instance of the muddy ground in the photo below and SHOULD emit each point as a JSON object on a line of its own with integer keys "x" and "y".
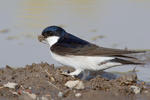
{"x": 45, "y": 82}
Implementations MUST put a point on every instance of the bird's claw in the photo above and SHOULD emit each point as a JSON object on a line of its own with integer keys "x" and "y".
{"x": 66, "y": 73}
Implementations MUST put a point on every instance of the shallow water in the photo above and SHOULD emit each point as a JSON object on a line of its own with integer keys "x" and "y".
{"x": 116, "y": 23}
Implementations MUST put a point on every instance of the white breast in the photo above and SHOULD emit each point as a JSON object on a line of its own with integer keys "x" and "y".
{"x": 52, "y": 40}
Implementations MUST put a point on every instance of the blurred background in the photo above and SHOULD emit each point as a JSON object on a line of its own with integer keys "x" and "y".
{"x": 109, "y": 23}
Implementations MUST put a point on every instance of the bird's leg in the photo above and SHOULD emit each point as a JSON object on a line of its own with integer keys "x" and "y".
{"x": 86, "y": 75}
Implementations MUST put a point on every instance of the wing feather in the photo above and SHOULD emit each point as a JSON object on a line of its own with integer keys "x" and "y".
{"x": 72, "y": 45}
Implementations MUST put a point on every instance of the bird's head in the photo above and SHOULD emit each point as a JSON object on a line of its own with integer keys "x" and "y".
{"x": 52, "y": 34}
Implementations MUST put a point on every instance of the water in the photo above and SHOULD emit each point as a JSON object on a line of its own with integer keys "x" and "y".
{"x": 119, "y": 24}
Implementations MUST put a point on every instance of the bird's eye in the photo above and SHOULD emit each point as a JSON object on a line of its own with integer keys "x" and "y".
{"x": 45, "y": 34}
{"x": 50, "y": 33}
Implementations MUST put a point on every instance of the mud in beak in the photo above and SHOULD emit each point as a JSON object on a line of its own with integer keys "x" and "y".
{"x": 42, "y": 39}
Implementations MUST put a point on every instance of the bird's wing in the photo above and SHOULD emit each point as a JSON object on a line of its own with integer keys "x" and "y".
{"x": 71, "y": 45}
{"x": 93, "y": 50}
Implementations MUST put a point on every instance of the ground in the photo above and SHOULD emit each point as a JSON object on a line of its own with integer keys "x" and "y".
{"x": 45, "y": 82}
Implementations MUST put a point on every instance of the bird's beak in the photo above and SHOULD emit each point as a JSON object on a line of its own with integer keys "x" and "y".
{"x": 41, "y": 38}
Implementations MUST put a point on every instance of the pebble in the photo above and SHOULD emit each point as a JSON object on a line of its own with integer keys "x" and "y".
{"x": 33, "y": 96}
{"x": 44, "y": 98}
{"x": 30, "y": 88}
{"x": 135, "y": 89}
{"x": 60, "y": 94}
{"x": 28, "y": 96}
{"x": 75, "y": 84}
{"x": 52, "y": 79}
{"x": 78, "y": 94}
{"x": 10, "y": 85}
{"x": 146, "y": 91}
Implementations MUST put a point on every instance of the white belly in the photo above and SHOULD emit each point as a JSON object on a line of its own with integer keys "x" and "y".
{"x": 85, "y": 62}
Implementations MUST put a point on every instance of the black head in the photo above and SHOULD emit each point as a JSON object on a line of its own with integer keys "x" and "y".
{"x": 53, "y": 31}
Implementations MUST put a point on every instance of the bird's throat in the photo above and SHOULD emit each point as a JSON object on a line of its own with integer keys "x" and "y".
{"x": 52, "y": 40}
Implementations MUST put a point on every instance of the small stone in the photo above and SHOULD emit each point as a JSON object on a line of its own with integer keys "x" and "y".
{"x": 60, "y": 94}
{"x": 146, "y": 91}
{"x": 15, "y": 93}
{"x": 10, "y": 85}
{"x": 30, "y": 88}
{"x": 33, "y": 96}
{"x": 44, "y": 98}
{"x": 28, "y": 96}
{"x": 75, "y": 84}
{"x": 135, "y": 89}
{"x": 52, "y": 79}
{"x": 78, "y": 94}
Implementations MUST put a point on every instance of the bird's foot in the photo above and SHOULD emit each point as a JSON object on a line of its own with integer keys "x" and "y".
{"x": 72, "y": 74}
{"x": 66, "y": 73}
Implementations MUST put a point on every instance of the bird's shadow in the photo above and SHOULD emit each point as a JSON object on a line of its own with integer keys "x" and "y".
{"x": 88, "y": 75}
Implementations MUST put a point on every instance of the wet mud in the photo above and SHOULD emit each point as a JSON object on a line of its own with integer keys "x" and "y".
{"x": 46, "y": 82}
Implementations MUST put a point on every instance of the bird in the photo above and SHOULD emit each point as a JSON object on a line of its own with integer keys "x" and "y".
{"x": 82, "y": 55}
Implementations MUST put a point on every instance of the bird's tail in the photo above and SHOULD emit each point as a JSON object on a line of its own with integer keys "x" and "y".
{"x": 140, "y": 58}
{"x": 124, "y": 62}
